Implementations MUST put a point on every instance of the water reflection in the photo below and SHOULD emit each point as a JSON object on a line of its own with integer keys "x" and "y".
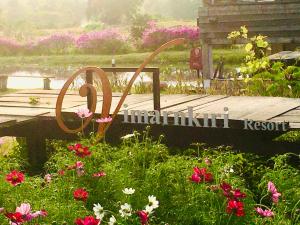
{"x": 35, "y": 80}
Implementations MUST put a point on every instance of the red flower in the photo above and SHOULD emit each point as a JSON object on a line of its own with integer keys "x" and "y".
{"x": 235, "y": 207}
{"x": 200, "y": 175}
{"x": 61, "y": 172}
{"x": 200, "y": 172}
{"x": 81, "y": 194}
{"x": 195, "y": 178}
{"x": 143, "y": 217}
{"x": 80, "y": 150}
{"x": 15, "y": 177}
{"x": 238, "y": 194}
{"x": 77, "y": 165}
{"x": 99, "y": 174}
{"x": 226, "y": 188}
{"x": 89, "y": 220}
{"x": 15, "y": 217}
{"x": 208, "y": 177}
{"x": 232, "y": 193}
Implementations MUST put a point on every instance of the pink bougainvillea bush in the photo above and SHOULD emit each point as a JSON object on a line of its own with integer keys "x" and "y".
{"x": 9, "y": 46}
{"x": 139, "y": 182}
{"x": 108, "y": 41}
{"x": 154, "y": 36}
{"x": 53, "y": 44}
{"x": 102, "y": 42}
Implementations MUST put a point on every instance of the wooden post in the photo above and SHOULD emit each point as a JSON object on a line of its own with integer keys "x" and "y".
{"x": 89, "y": 80}
{"x": 47, "y": 83}
{"x": 3, "y": 83}
{"x": 207, "y": 58}
{"x": 156, "y": 90}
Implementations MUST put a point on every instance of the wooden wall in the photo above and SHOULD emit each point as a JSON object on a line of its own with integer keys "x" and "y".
{"x": 279, "y": 20}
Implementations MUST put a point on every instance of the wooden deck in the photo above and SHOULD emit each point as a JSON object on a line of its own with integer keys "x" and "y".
{"x": 15, "y": 107}
{"x": 37, "y": 122}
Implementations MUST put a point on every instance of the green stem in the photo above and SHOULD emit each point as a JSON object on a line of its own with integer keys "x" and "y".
{"x": 82, "y": 127}
{"x": 263, "y": 206}
{"x": 263, "y": 198}
{"x": 229, "y": 219}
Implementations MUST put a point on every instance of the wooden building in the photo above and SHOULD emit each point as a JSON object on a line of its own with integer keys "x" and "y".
{"x": 277, "y": 19}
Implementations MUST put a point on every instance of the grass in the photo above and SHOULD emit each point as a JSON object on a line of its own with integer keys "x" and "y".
{"x": 151, "y": 169}
{"x": 177, "y": 59}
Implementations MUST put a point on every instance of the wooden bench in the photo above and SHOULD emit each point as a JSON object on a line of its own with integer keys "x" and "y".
{"x": 4, "y": 78}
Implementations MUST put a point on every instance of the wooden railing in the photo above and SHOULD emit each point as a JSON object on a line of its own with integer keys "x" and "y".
{"x": 156, "y": 81}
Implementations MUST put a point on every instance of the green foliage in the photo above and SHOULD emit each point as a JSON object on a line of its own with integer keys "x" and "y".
{"x": 178, "y": 9}
{"x": 26, "y": 14}
{"x": 291, "y": 136}
{"x": 151, "y": 169}
{"x": 112, "y": 11}
{"x": 139, "y": 23}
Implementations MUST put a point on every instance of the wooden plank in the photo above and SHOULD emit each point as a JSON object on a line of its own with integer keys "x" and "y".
{"x": 195, "y": 103}
{"x": 202, "y": 20}
{"x": 166, "y": 101}
{"x": 251, "y": 26}
{"x": 56, "y": 92}
{"x": 239, "y": 9}
{"x": 42, "y": 105}
{"x": 256, "y": 108}
{"x": 16, "y": 111}
{"x": 225, "y": 41}
{"x": 6, "y": 121}
{"x": 289, "y": 118}
{"x": 131, "y": 102}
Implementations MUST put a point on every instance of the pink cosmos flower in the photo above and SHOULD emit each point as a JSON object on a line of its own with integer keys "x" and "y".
{"x": 264, "y": 213}
{"x": 104, "y": 120}
{"x": 47, "y": 178}
{"x": 1, "y": 141}
{"x": 271, "y": 187}
{"x": 77, "y": 165}
{"x": 275, "y": 194}
{"x": 83, "y": 113}
{"x": 207, "y": 161}
{"x": 25, "y": 210}
{"x": 99, "y": 174}
{"x": 42, "y": 213}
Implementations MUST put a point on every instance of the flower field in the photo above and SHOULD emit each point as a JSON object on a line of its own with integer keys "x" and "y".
{"x": 107, "y": 41}
{"x": 141, "y": 181}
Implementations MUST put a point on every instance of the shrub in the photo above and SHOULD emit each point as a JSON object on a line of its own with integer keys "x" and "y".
{"x": 102, "y": 42}
{"x": 9, "y": 46}
{"x": 154, "y": 36}
{"x": 147, "y": 167}
{"x": 53, "y": 44}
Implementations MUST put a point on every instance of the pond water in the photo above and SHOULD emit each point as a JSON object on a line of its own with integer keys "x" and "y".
{"x": 35, "y": 80}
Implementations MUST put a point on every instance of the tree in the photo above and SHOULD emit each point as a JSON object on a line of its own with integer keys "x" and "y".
{"x": 178, "y": 9}
{"x": 113, "y": 11}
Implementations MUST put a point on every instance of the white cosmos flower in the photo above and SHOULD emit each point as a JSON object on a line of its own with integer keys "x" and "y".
{"x": 98, "y": 211}
{"x": 125, "y": 210}
{"x": 149, "y": 209}
{"x": 112, "y": 220}
{"x": 128, "y": 191}
{"x": 127, "y": 136}
{"x": 153, "y": 202}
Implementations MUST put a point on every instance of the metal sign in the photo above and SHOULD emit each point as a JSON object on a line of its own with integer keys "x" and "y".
{"x": 107, "y": 92}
